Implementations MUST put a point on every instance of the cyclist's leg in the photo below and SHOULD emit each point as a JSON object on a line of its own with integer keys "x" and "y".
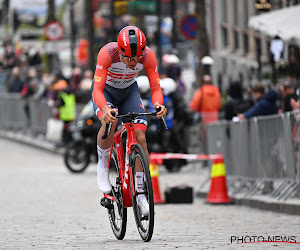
{"x": 103, "y": 148}
{"x": 140, "y": 136}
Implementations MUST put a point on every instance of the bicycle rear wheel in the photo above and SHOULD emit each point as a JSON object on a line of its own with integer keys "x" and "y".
{"x": 145, "y": 223}
{"x": 117, "y": 213}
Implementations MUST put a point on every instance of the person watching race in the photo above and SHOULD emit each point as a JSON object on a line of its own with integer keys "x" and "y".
{"x": 114, "y": 88}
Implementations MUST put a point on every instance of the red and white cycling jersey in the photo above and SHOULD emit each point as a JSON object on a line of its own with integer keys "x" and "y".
{"x": 111, "y": 71}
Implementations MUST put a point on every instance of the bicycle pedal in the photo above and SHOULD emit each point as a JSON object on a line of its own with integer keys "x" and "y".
{"x": 106, "y": 203}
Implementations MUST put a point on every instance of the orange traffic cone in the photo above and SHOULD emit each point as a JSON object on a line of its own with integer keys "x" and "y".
{"x": 154, "y": 177}
{"x": 218, "y": 186}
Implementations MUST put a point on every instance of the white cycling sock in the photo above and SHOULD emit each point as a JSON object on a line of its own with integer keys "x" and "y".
{"x": 139, "y": 178}
{"x": 103, "y": 155}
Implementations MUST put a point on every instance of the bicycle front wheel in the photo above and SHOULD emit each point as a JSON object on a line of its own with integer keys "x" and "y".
{"x": 142, "y": 189}
{"x": 117, "y": 213}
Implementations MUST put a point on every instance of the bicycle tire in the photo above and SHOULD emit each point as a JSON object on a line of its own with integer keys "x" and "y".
{"x": 118, "y": 213}
{"x": 145, "y": 224}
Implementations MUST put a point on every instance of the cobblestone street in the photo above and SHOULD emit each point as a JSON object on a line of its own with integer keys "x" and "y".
{"x": 44, "y": 206}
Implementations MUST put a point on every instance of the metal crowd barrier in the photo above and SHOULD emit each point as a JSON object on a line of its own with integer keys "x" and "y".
{"x": 23, "y": 113}
{"x": 26, "y": 113}
{"x": 261, "y": 154}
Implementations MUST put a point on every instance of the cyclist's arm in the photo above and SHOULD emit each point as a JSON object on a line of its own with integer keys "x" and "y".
{"x": 103, "y": 62}
{"x": 150, "y": 66}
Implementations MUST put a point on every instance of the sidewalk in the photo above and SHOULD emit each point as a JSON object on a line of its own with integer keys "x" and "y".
{"x": 28, "y": 138}
{"x": 265, "y": 202}
{"x": 257, "y": 200}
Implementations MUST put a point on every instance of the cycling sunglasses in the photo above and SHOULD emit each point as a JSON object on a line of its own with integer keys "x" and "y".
{"x": 128, "y": 59}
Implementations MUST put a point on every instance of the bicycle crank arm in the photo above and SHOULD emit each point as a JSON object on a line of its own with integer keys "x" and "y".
{"x": 105, "y": 202}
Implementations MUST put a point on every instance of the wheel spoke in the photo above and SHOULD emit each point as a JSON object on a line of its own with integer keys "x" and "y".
{"x": 145, "y": 223}
{"x": 118, "y": 214}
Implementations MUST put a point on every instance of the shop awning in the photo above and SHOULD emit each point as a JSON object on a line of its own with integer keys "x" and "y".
{"x": 284, "y": 23}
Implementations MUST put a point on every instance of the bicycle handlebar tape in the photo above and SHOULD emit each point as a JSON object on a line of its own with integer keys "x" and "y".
{"x": 162, "y": 120}
{"x": 108, "y": 127}
{"x": 218, "y": 188}
{"x": 153, "y": 166}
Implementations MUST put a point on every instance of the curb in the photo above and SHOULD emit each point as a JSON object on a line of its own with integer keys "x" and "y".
{"x": 264, "y": 203}
{"x": 38, "y": 141}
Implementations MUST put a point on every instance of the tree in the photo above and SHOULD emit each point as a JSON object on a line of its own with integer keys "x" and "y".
{"x": 50, "y": 18}
{"x": 88, "y": 10}
{"x": 201, "y": 37}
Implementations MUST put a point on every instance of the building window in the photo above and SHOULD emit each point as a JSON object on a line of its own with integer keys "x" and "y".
{"x": 246, "y": 43}
{"x": 225, "y": 37}
{"x": 236, "y": 39}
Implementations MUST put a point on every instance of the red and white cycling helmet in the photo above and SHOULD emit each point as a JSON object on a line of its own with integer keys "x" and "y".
{"x": 131, "y": 41}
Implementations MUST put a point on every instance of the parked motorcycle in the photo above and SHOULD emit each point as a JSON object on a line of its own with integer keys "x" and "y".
{"x": 171, "y": 140}
{"x": 83, "y": 146}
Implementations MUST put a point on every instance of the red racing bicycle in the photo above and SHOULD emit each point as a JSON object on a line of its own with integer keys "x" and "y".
{"x": 126, "y": 158}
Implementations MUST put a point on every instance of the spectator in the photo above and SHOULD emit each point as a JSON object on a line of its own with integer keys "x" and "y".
{"x": 29, "y": 88}
{"x": 10, "y": 57}
{"x": 86, "y": 82}
{"x": 83, "y": 94}
{"x": 173, "y": 70}
{"x": 31, "y": 83}
{"x": 207, "y": 100}
{"x": 295, "y": 104}
{"x": 34, "y": 57}
{"x": 2, "y": 62}
{"x": 66, "y": 106}
{"x": 49, "y": 95}
{"x": 15, "y": 83}
{"x": 16, "y": 21}
{"x": 287, "y": 93}
{"x": 235, "y": 104}
{"x": 75, "y": 79}
{"x": 265, "y": 104}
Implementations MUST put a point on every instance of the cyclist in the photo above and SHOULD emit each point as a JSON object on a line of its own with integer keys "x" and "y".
{"x": 114, "y": 88}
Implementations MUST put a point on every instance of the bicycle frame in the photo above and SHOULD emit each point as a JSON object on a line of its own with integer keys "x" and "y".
{"x": 124, "y": 168}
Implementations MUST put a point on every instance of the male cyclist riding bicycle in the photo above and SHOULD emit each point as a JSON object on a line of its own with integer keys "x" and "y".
{"x": 114, "y": 88}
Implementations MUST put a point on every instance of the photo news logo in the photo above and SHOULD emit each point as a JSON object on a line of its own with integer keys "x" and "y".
{"x": 263, "y": 239}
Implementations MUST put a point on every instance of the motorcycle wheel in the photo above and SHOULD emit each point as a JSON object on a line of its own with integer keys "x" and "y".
{"x": 77, "y": 156}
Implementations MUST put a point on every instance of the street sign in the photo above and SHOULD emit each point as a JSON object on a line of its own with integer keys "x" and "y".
{"x": 54, "y": 31}
{"x": 188, "y": 27}
{"x": 142, "y": 7}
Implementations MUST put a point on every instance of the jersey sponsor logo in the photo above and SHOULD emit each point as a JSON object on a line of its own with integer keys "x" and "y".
{"x": 97, "y": 78}
{"x": 124, "y": 39}
{"x": 113, "y": 69}
{"x": 158, "y": 81}
{"x": 99, "y": 67}
{"x": 122, "y": 82}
